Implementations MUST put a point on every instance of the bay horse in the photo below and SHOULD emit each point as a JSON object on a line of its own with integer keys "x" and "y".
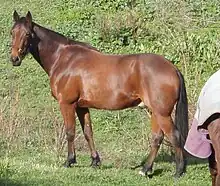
{"x": 81, "y": 77}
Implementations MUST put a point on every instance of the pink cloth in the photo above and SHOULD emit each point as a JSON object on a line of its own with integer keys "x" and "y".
{"x": 196, "y": 143}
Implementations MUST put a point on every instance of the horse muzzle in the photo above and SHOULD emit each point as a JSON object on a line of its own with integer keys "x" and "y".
{"x": 16, "y": 60}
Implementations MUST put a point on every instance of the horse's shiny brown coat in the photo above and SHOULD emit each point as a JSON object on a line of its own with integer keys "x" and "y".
{"x": 81, "y": 77}
{"x": 90, "y": 80}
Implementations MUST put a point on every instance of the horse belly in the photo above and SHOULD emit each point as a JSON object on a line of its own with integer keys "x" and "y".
{"x": 110, "y": 102}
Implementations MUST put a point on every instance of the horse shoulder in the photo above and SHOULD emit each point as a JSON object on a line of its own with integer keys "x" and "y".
{"x": 65, "y": 85}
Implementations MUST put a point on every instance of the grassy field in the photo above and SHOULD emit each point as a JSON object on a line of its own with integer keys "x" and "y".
{"x": 32, "y": 143}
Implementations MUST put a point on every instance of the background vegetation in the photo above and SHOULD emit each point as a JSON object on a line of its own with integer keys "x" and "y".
{"x": 32, "y": 145}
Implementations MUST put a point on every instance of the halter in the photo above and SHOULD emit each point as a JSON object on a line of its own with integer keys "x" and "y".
{"x": 25, "y": 50}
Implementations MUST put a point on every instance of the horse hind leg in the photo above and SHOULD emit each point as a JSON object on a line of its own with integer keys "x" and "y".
{"x": 174, "y": 137}
{"x": 157, "y": 138}
{"x": 167, "y": 126}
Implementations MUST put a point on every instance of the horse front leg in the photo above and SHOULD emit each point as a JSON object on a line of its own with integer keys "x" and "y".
{"x": 68, "y": 113}
{"x": 212, "y": 166}
{"x": 214, "y": 159}
{"x": 85, "y": 121}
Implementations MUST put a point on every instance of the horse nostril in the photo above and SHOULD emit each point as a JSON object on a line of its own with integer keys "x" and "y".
{"x": 14, "y": 58}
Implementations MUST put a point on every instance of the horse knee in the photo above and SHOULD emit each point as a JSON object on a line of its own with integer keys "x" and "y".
{"x": 70, "y": 135}
{"x": 213, "y": 172}
{"x": 174, "y": 138}
{"x": 157, "y": 139}
{"x": 169, "y": 129}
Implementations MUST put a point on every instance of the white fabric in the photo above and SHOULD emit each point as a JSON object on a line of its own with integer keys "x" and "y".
{"x": 209, "y": 99}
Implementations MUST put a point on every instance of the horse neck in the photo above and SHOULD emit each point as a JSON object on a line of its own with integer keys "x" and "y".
{"x": 44, "y": 47}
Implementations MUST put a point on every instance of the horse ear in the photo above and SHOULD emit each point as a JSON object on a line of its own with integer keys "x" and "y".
{"x": 29, "y": 18}
{"x": 16, "y": 16}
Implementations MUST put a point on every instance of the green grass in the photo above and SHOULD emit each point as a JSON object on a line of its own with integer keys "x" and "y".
{"x": 32, "y": 144}
{"x": 44, "y": 169}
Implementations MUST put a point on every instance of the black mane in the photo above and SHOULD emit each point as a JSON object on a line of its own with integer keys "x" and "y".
{"x": 63, "y": 39}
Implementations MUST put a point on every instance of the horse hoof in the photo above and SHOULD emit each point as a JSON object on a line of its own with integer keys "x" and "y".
{"x": 177, "y": 175}
{"x": 145, "y": 171}
{"x": 142, "y": 173}
{"x": 96, "y": 162}
{"x": 69, "y": 163}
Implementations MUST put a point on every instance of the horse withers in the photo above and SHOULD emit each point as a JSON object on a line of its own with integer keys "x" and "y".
{"x": 81, "y": 77}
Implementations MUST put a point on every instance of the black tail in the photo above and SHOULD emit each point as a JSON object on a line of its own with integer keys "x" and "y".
{"x": 181, "y": 116}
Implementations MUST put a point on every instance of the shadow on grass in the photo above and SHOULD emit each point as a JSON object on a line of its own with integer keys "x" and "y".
{"x": 4, "y": 181}
{"x": 9, "y": 182}
{"x": 155, "y": 173}
{"x": 168, "y": 158}
{"x": 191, "y": 160}
{"x": 102, "y": 167}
